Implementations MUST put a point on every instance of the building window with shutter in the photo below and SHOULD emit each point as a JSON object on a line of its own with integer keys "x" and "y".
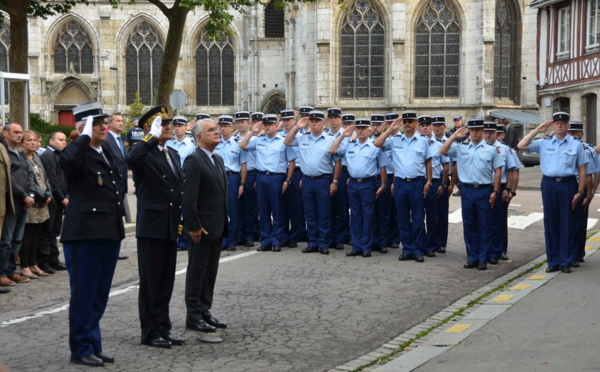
{"x": 73, "y": 50}
{"x": 564, "y": 32}
{"x": 593, "y": 30}
{"x": 214, "y": 71}
{"x": 437, "y": 46}
{"x": 143, "y": 58}
{"x": 274, "y": 26}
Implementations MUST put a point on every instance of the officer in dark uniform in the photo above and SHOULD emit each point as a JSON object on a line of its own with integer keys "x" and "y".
{"x": 159, "y": 179}
{"x": 134, "y": 135}
{"x": 91, "y": 234}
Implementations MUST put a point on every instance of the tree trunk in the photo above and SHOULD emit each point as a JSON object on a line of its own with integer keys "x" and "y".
{"x": 18, "y": 61}
{"x": 168, "y": 69}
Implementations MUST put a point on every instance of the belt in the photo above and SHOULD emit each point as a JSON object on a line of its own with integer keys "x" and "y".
{"x": 318, "y": 177}
{"x": 229, "y": 173}
{"x": 411, "y": 179}
{"x": 361, "y": 180}
{"x": 560, "y": 179}
{"x": 478, "y": 186}
{"x": 272, "y": 174}
{"x": 435, "y": 179}
{"x": 344, "y": 168}
{"x": 252, "y": 172}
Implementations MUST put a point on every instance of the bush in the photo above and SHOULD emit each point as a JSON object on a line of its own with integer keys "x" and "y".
{"x": 45, "y": 128}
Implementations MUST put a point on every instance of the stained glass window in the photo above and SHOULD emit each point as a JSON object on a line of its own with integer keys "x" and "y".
{"x": 506, "y": 51}
{"x": 361, "y": 52}
{"x": 73, "y": 50}
{"x": 214, "y": 71}
{"x": 143, "y": 58}
{"x": 274, "y": 26}
{"x": 4, "y": 47}
{"x": 437, "y": 47}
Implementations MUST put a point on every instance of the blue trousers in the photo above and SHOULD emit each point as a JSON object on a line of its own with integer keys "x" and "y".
{"x": 270, "y": 200}
{"x": 233, "y": 187}
{"x": 394, "y": 232}
{"x": 11, "y": 240}
{"x": 248, "y": 212}
{"x": 410, "y": 206}
{"x": 477, "y": 220}
{"x": 431, "y": 217}
{"x": 317, "y": 210}
{"x": 91, "y": 265}
{"x": 498, "y": 221}
{"x": 339, "y": 213}
{"x": 581, "y": 217}
{"x": 442, "y": 227}
{"x": 292, "y": 210}
{"x": 559, "y": 220}
{"x": 362, "y": 205}
{"x": 382, "y": 215}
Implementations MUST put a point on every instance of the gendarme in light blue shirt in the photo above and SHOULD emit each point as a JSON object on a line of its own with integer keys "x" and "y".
{"x": 364, "y": 160}
{"x": 476, "y": 163}
{"x": 409, "y": 155}
{"x": 271, "y": 154}
{"x": 593, "y": 166}
{"x": 509, "y": 160}
{"x": 559, "y": 158}
{"x": 437, "y": 160}
{"x": 283, "y": 134}
{"x": 184, "y": 148}
{"x": 315, "y": 157}
{"x": 335, "y": 136}
{"x": 233, "y": 156}
{"x": 250, "y": 157}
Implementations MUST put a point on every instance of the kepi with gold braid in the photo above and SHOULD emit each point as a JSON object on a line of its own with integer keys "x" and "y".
{"x": 160, "y": 110}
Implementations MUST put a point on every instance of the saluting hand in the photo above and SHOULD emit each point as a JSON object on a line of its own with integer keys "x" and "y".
{"x": 302, "y": 123}
{"x": 348, "y": 131}
{"x": 257, "y": 128}
{"x": 87, "y": 128}
{"x": 156, "y": 127}
{"x": 461, "y": 132}
{"x": 196, "y": 235}
{"x": 396, "y": 124}
{"x": 542, "y": 128}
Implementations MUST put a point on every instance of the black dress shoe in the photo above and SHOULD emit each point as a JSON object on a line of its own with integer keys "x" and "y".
{"x": 276, "y": 248}
{"x": 339, "y": 246}
{"x": 201, "y": 326}
{"x": 406, "y": 257}
{"x": 441, "y": 250}
{"x": 262, "y": 248}
{"x": 4, "y": 290}
{"x": 284, "y": 244}
{"x": 581, "y": 260}
{"x": 212, "y": 321}
{"x": 575, "y": 264}
{"x": 470, "y": 265}
{"x": 174, "y": 340}
{"x": 383, "y": 250}
{"x": 293, "y": 245}
{"x": 353, "y": 253}
{"x": 430, "y": 253}
{"x": 158, "y": 342}
{"x": 394, "y": 245}
{"x": 504, "y": 257}
{"x": 419, "y": 258}
{"x": 90, "y": 361}
{"x": 105, "y": 358}
{"x": 59, "y": 266}
{"x": 249, "y": 243}
{"x": 493, "y": 261}
{"x": 552, "y": 269}
{"x": 310, "y": 250}
{"x": 47, "y": 268}
{"x": 366, "y": 254}
{"x": 566, "y": 269}
{"x": 482, "y": 266}
{"x": 231, "y": 249}
{"x": 324, "y": 250}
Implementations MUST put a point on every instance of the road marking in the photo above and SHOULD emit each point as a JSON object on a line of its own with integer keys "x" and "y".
{"x": 502, "y": 298}
{"x": 521, "y": 286}
{"x": 591, "y": 223}
{"x": 522, "y": 222}
{"x": 537, "y": 277}
{"x": 456, "y": 216}
{"x": 594, "y": 239}
{"x": 112, "y": 294}
{"x": 515, "y": 205}
{"x": 588, "y": 247}
{"x": 459, "y": 328}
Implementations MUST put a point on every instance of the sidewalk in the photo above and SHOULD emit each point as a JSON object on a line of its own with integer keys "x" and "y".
{"x": 540, "y": 322}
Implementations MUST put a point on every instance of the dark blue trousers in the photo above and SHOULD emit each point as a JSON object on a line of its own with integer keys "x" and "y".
{"x": 431, "y": 217}
{"x": 248, "y": 212}
{"x": 270, "y": 199}
{"x": 410, "y": 206}
{"x": 339, "y": 213}
{"x": 559, "y": 220}
{"x": 443, "y": 209}
{"x": 362, "y": 205}
{"x": 496, "y": 234}
{"x": 394, "y": 232}
{"x": 292, "y": 210}
{"x": 91, "y": 265}
{"x": 477, "y": 220}
{"x": 233, "y": 188}
{"x": 581, "y": 217}
{"x": 382, "y": 215}
{"x": 317, "y": 210}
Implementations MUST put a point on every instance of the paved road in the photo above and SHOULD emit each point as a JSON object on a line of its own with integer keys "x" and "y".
{"x": 287, "y": 311}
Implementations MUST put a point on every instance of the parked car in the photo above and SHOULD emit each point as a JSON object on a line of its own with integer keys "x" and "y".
{"x": 530, "y": 160}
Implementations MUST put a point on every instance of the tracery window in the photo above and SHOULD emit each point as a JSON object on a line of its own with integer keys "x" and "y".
{"x": 506, "y": 51}
{"x": 143, "y": 58}
{"x": 362, "y": 52}
{"x": 214, "y": 71}
{"x": 73, "y": 50}
{"x": 437, "y": 48}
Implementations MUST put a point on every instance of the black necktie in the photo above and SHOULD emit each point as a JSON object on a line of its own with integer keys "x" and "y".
{"x": 214, "y": 160}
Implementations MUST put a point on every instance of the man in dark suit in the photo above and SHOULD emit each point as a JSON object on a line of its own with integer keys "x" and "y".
{"x": 511, "y": 137}
{"x": 205, "y": 216}
{"x": 114, "y": 144}
{"x": 92, "y": 233}
{"x": 158, "y": 178}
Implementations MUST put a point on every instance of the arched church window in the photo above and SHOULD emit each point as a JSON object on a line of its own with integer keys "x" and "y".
{"x": 506, "y": 51}
{"x": 73, "y": 50}
{"x": 143, "y": 58}
{"x": 437, "y": 46}
{"x": 274, "y": 26}
{"x": 361, "y": 52}
{"x": 214, "y": 71}
{"x": 4, "y": 47}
